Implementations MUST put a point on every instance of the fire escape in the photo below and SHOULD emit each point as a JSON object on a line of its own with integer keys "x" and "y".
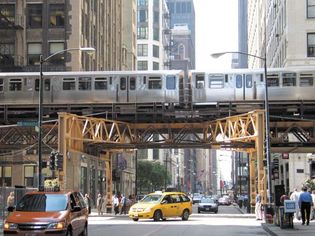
{"x": 9, "y": 25}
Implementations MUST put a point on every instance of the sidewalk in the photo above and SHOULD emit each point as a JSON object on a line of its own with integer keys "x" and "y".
{"x": 298, "y": 228}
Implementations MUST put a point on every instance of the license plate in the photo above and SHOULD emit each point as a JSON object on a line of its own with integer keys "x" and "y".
{"x": 207, "y": 209}
{"x": 30, "y": 234}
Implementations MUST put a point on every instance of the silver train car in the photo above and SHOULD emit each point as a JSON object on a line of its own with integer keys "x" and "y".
{"x": 93, "y": 87}
{"x": 284, "y": 84}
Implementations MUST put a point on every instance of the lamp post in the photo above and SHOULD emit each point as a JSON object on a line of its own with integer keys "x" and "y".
{"x": 40, "y": 104}
{"x": 268, "y": 157}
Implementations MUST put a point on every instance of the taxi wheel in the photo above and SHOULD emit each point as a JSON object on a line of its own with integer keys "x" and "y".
{"x": 135, "y": 219}
{"x": 157, "y": 215}
{"x": 185, "y": 215}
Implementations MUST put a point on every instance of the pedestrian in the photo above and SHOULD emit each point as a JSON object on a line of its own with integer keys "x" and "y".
{"x": 116, "y": 204}
{"x": 283, "y": 198}
{"x": 258, "y": 207}
{"x": 305, "y": 203}
{"x": 99, "y": 204}
{"x": 295, "y": 197}
{"x": 123, "y": 205}
{"x": 313, "y": 208}
{"x": 88, "y": 202}
{"x": 10, "y": 200}
{"x": 103, "y": 210}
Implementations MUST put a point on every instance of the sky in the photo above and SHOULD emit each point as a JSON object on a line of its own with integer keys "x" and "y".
{"x": 216, "y": 31}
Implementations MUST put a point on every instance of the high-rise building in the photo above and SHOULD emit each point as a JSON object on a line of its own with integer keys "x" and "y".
{"x": 182, "y": 12}
{"x": 152, "y": 33}
{"x": 29, "y": 29}
{"x": 242, "y": 61}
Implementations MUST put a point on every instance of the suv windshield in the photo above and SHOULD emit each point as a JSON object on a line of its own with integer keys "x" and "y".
{"x": 42, "y": 202}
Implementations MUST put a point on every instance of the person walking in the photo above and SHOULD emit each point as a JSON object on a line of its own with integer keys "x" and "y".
{"x": 99, "y": 204}
{"x": 305, "y": 203}
{"x": 116, "y": 204}
{"x": 295, "y": 197}
{"x": 258, "y": 207}
{"x": 10, "y": 200}
{"x": 88, "y": 202}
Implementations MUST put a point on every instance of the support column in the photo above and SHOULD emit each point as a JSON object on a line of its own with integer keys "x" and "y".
{"x": 107, "y": 157}
{"x": 252, "y": 180}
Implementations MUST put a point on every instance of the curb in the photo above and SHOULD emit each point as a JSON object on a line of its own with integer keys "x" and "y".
{"x": 269, "y": 231}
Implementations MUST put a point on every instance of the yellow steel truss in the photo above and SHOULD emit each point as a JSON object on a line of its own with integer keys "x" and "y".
{"x": 242, "y": 132}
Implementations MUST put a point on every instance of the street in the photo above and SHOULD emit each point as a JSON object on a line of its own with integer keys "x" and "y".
{"x": 229, "y": 221}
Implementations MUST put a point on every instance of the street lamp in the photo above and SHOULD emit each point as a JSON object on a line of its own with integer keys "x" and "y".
{"x": 264, "y": 59}
{"x": 40, "y": 104}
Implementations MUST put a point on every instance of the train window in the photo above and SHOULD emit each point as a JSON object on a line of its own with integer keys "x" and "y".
{"x": 155, "y": 83}
{"x": 288, "y": 79}
{"x": 1, "y": 85}
{"x": 15, "y": 84}
{"x": 100, "y": 83}
{"x": 110, "y": 80}
{"x": 68, "y": 84}
{"x": 226, "y": 78}
{"x": 273, "y": 80}
{"x": 200, "y": 81}
{"x": 249, "y": 81}
{"x": 306, "y": 80}
{"x": 85, "y": 83}
{"x": 170, "y": 82}
{"x": 47, "y": 84}
{"x": 123, "y": 83}
{"x": 132, "y": 83}
{"x": 36, "y": 84}
{"x": 144, "y": 79}
{"x": 239, "y": 81}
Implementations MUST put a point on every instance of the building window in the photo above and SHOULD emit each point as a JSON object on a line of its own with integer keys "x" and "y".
{"x": 156, "y": 17}
{"x": 156, "y": 66}
{"x": 57, "y": 15}
{"x": 85, "y": 83}
{"x": 7, "y": 51}
{"x": 156, "y": 34}
{"x": 142, "y": 65}
{"x": 142, "y": 2}
{"x": 178, "y": 7}
{"x": 8, "y": 11}
{"x": 142, "y": 50}
{"x": 34, "y": 16}
{"x": 57, "y": 47}
{"x": 15, "y": 85}
{"x": 311, "y": 45}
{"x": 34, "y": 51}
{"x": 310, "y": 8}
{"x": 156, "y": 3}
{"x": 142, "y": 32}
{"x": 83, "y": 180}
{"x": 5, "y": 175}
{"x": 156, "y": 51}
{"x": 29, "y": 172}
{"x": 68, "y": 84}
{"x": 142, "y": 16}
{"x": 170, "y": 6}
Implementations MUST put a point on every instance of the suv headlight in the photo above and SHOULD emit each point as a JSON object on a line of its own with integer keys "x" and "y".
{"x": 56, "y": 225}
{"x": 10, "y": 226}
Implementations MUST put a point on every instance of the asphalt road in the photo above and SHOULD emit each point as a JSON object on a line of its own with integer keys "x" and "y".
{"x": 227, "y": 222}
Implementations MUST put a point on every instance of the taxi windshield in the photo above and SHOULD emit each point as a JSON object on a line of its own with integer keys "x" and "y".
{"x": 152, "y": 198}
{"x": 42, "y": 203}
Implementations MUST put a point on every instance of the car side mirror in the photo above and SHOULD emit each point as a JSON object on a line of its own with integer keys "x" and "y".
{"x": 11, "y": 208}
{"x": 76, "y": 209}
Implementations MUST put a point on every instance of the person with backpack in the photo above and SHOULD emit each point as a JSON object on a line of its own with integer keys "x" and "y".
{"x": 99, "y": 204}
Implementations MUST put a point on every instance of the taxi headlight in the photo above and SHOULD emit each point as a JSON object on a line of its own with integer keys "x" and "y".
{"x": 148, "y": 209}
{"x": 10, "y": 226}
{"x": 56, "y": 225}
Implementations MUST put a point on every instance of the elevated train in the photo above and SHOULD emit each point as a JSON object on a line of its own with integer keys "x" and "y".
{"x": 168, "y": 87}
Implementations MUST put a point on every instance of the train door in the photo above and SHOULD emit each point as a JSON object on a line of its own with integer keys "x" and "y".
{"x": 47, "y": 93}
{"x": 171, "y": 91}
{"x": 244, "y": 88}
{"x": 199, "y": 91}
{"x": 127, "y": 89}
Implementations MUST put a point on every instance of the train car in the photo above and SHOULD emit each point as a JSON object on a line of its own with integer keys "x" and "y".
{"x": 93, "y": 87}
{"x": 284, "y": 84}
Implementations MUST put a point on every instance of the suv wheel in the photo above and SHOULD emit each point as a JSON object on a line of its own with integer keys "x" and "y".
{"x": 185, "y": 215}
{"x": 157, "y": 215}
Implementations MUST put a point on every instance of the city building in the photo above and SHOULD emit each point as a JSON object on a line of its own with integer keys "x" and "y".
{"x": 285, "y": 30}
{"x": 152, "y": 34}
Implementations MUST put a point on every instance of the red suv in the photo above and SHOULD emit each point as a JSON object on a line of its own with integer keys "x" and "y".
{"x": 48, "y": 213}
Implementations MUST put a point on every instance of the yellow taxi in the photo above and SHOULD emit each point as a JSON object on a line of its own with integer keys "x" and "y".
{"x": 161, "y": 205}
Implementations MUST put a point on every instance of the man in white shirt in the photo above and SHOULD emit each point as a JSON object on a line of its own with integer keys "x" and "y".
{"x": 295, "y": 197}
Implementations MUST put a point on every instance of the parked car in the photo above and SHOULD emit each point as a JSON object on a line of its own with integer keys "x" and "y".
{"x": 224, "y": 201}
{"x": 48, "y": 213}
{"x": 207, "y": 204}
{"x": 160, "y": 205}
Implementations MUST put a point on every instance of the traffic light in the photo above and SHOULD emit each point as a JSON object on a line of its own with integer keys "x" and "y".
{"x": 59, "y": 161}
{"x": 52, "y": 159}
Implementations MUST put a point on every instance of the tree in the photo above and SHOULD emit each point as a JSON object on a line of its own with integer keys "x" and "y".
{"x": 151, "y": 176}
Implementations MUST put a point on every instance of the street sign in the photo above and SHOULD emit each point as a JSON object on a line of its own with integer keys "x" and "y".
{"x": 27, "y": 123}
